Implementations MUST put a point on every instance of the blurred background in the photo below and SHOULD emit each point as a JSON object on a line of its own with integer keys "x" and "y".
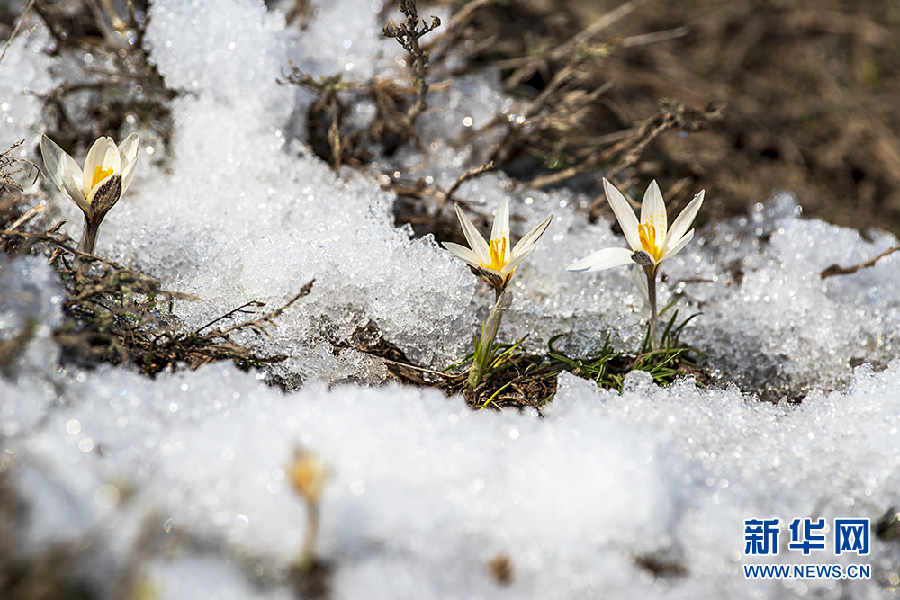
{"x": 810, "y": 92}
{"x": 740, "y": 97}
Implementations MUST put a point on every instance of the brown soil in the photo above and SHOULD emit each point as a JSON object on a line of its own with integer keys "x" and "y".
{"x": 810, "y": 87}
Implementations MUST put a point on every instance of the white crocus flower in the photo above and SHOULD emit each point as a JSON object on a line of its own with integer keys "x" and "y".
{"x": 652, "y": 240}
{"x": 494, "y": 262}
{"x": 108, "y": 171}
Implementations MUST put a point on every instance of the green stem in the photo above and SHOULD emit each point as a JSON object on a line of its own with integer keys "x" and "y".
{"x": 482, "y": 358}
{"x": 654, "y": 315}
{"x": 89, "y": 237}
{"x": 307, "y": 556}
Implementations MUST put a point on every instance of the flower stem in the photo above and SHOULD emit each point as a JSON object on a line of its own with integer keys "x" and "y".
{"x": 482, "y": 358}
{"x": 89, "y": 237}
{"x": 654, "y": 316}
{"x": 307, "y": 556}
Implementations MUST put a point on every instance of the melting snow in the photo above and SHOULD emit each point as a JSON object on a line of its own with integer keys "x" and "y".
{"x": 186, "y": 473}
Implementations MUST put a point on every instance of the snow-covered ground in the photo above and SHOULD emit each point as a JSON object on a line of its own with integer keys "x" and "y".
{"x": 182, "y": 479}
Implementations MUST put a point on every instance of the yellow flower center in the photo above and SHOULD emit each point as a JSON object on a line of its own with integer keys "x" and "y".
{"x": 99, "y": 175}
{"x": 647, "y": 233}
{"x": 308, "y": 475}
{"x": 499, "y": 247}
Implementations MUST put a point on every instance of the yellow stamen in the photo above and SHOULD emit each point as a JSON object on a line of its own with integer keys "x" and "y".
{"x": 499, "y": 246}
{"x": 647, "y": 233}
{"x": 99, "y": 175}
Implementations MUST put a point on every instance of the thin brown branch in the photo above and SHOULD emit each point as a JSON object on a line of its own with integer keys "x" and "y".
{"x": 335, "y": 141}
{"x": 7, "y": 179}
{"x": 529, "y": 122}
{"x": 672, "y": 114}
{"x": 259, "y": 325}
{"x": 30, "y": 214}
{"x": 16, "y": 30}
{"x": 572, "y": 44}
{"x": 407, "y": 35}
{"x": 656, "y": 36}
{"x": 61, "y": 243}
{"x": 109, "y": 36}
{"x": 454, "y": 29}
{"x": 268, "y": 318}
{"x": 594, "y": 28}
{"x": 27, "y": 216}
{"x": 242, "y": 309}
{"x": 473, "y": 172}
{"x": 836, "y": 269}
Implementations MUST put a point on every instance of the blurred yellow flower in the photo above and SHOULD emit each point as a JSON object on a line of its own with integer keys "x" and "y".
{"x": 308, "y": 475}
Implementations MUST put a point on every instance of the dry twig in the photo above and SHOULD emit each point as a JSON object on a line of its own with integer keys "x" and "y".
{"x": 16, "y": 30}
{"x": 8, "y": 173}
{"x": 672, "y": 114}
{"x": 836, "y": 269}
{"x": 571, "y": 45}
{"x": 473, "y": 172}
{"x": 258, "y": 326}
{"x": 407, "y": 34}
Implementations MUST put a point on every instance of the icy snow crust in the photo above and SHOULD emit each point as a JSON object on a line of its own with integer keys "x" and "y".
{"x": 426, "y": 492}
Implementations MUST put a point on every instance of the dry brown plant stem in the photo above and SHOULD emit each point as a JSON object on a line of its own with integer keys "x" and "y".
{"x": 839, "y": 270}
{"x": 455, "y": 29}
{"x": 672, "y": 114}
{"x": 501, "y": 152}
{"x": 256, "y": 325}
{"x": 407, "y": 35}
{"x": 16, "y": 30}
{"x": 569, "y": 46}
{"x": 109, "y": 35}
{"x": 471, "y": 173}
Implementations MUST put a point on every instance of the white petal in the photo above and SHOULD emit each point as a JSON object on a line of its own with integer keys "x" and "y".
{"x": 624, "y": 214}
{"x": 73, "y": 188}
{"x": 113, "y": 158}
{"x": 501, "y": 221}
{"x": 476, "y": 241}
{"x": 464, "y": 253}
{"x": 73, "y": 177}
{"x": 684, "y": 220}
{"x": 64, "y": 172}
{"x": 653, "y": 212}
{"x": 54, "y": 160}
{"x": 96, "y": 156}
{"x": 128, "y": 152}
{"x": 606, "y": 258}
{"x": 531, "y": 238}
{"x": 517, "y": 260}
{"x": 678, "y": 246}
